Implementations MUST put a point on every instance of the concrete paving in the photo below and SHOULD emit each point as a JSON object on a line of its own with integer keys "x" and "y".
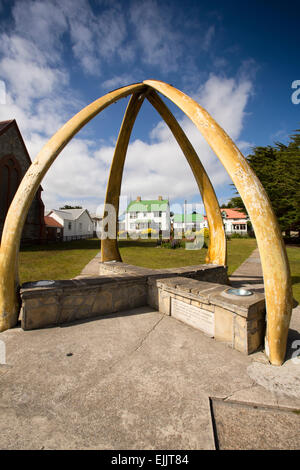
{"x": 249, "y": 274}
{"x": 141, "y": 380}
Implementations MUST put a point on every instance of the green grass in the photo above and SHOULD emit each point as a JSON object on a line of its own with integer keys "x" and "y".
{"x": 145, "y": 253}
{"x": 66, "y": 260}
{"x": 56, "y": 260}
{"x": 293, "y": 253}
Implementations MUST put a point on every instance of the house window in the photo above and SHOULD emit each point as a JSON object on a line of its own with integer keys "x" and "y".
{"x": 80, "y": 227}
{"x": 145, "y": 214}
{"x": 70, "y": 225}
{"x": 10, "y": 177}
{"x": 158, "y": 214}
{"x": 133, "y": 215}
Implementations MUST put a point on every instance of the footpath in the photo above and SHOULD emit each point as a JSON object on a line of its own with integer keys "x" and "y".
{"x": 142, "y": 380}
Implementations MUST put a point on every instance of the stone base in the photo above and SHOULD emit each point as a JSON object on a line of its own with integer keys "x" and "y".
{"x": 203, "y": 304}
{"x": 79, "y": 299}
{"x": 240, "y": 322}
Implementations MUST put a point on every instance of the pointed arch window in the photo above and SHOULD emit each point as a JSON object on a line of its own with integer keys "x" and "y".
{"x": 10, "y": 178}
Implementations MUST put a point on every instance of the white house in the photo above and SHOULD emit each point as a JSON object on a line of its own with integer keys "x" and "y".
{"x": 97, "y": 224}
{"x": 235, "y": 221}
{"x": 143, "y": 214}
{"x": 189, "y": 222}
{"x": 77, "y": 223}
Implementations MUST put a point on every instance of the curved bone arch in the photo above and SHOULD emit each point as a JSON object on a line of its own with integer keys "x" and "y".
{"x": 217, "y": 247}
{"x": 272, "y": 251}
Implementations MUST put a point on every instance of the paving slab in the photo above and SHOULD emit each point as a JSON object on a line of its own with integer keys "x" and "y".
{"x": 248, "y": 426}
{"x": 140, "y": 380}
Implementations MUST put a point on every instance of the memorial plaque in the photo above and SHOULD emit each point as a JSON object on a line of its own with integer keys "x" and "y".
{"x": 193, "y": 316}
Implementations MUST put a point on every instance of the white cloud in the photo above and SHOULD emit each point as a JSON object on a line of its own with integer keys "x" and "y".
{"x": 37, "y": 97}
{"x": 118, "y": 81}
{"x": 208, "y": 37}
{"x": 159, "y": 41}
{"x": 160, "y": 167}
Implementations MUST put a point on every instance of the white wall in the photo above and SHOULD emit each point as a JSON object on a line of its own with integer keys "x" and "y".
{"x": 164, "y": 220}
{"x": 230, "y": 223}
{"x": 81, "y": 226}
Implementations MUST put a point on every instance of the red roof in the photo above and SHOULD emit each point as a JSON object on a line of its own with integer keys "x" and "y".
{"x": 234, "y": 214}
{"x": 50, "y": 222}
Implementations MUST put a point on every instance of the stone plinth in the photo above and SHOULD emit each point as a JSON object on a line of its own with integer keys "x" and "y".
{"x": 202, "y": 304}
{"x": 78, "y": 299}
{"x": 238, "y": 321}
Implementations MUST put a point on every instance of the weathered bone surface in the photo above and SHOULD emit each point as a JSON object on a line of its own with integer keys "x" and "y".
{"x": 273, "y": 255}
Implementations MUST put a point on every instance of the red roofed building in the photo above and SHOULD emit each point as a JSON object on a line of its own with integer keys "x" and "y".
{"x": 54, "y": 230}
{"x": 235, "y": 221}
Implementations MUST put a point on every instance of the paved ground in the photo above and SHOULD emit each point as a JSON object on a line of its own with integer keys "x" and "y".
{"x": 142, "y": 380}
{"x": 249, "y": 274}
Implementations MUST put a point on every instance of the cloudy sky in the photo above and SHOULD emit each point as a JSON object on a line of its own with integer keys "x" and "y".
{"x": 237, "y": 59}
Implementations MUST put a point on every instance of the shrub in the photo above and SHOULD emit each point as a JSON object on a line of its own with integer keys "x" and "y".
{"x": 238, "y": 235}
{"x": 149, "y": 231}
{"x": 173, "y": 244}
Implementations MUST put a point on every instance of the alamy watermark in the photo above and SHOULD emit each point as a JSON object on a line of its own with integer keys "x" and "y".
{"x": 295, "y": 97}
{"x": 153, "y": 221}
{"x": 296, "y": 355}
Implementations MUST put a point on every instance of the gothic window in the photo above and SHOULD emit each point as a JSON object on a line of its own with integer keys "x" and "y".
{"x": 10, "y": 177}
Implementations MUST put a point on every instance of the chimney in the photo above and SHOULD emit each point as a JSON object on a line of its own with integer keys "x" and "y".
{"x": 138, "y": 198}
{"x": 160, "y": 198}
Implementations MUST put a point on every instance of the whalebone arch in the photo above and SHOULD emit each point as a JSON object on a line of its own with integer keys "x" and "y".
{"x": 271, "y": 247}
{"x": 109, "y": 247}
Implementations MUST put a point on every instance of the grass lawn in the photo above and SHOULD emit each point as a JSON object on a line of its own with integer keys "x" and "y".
{"x": 145, "y": 253}
{"x": 56, "y": 260}
{"x": 66, "y": 260}
{"x": 293, "y": 253}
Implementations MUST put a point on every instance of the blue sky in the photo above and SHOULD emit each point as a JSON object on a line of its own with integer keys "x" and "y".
{"x": 237, "y": 59}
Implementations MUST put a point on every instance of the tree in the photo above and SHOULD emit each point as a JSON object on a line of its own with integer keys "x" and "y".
{"x": 70, "y": 207}
{"x": 278, "y": 168}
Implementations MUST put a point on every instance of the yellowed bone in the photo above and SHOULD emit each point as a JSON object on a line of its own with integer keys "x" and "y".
{"x": 273, "y": 255}
{"x": 15, "y": 219}
{"x": 217, "y": 246}
{"x": 276, "y": 272}
{"x": 109, "y": 247}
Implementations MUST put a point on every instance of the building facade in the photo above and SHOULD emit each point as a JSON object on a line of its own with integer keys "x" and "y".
{"x": 14, "y": 162}
{"x": 235, "y": 221}
{"x": 76, "y": 223}
{"x": 189, "y": 222}
{"x": 54, "y": 230}
{"x": 144, "y": 214}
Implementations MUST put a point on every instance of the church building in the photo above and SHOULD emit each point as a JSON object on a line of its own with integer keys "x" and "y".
{"x": 14, "y": 162}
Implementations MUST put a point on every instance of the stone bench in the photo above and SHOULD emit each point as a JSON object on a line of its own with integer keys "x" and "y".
{"x": 79, "y": 299}
{"x": 188, "y": 294}
{"x": 238, "y": 321}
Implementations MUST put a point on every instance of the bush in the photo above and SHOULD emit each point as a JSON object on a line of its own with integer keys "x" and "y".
{"x": 205, "y": 232}
{"x": 237, "y": 235}
{"x": 173, "y": 244}
{"x": 149, "y": 230}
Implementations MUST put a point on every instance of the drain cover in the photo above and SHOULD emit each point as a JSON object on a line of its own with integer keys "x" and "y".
{"x": 248, "y": 426}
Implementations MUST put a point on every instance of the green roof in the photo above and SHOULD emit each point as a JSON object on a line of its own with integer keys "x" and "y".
{"x": 148, "y": 206}
{"x": 189, "y": 218}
